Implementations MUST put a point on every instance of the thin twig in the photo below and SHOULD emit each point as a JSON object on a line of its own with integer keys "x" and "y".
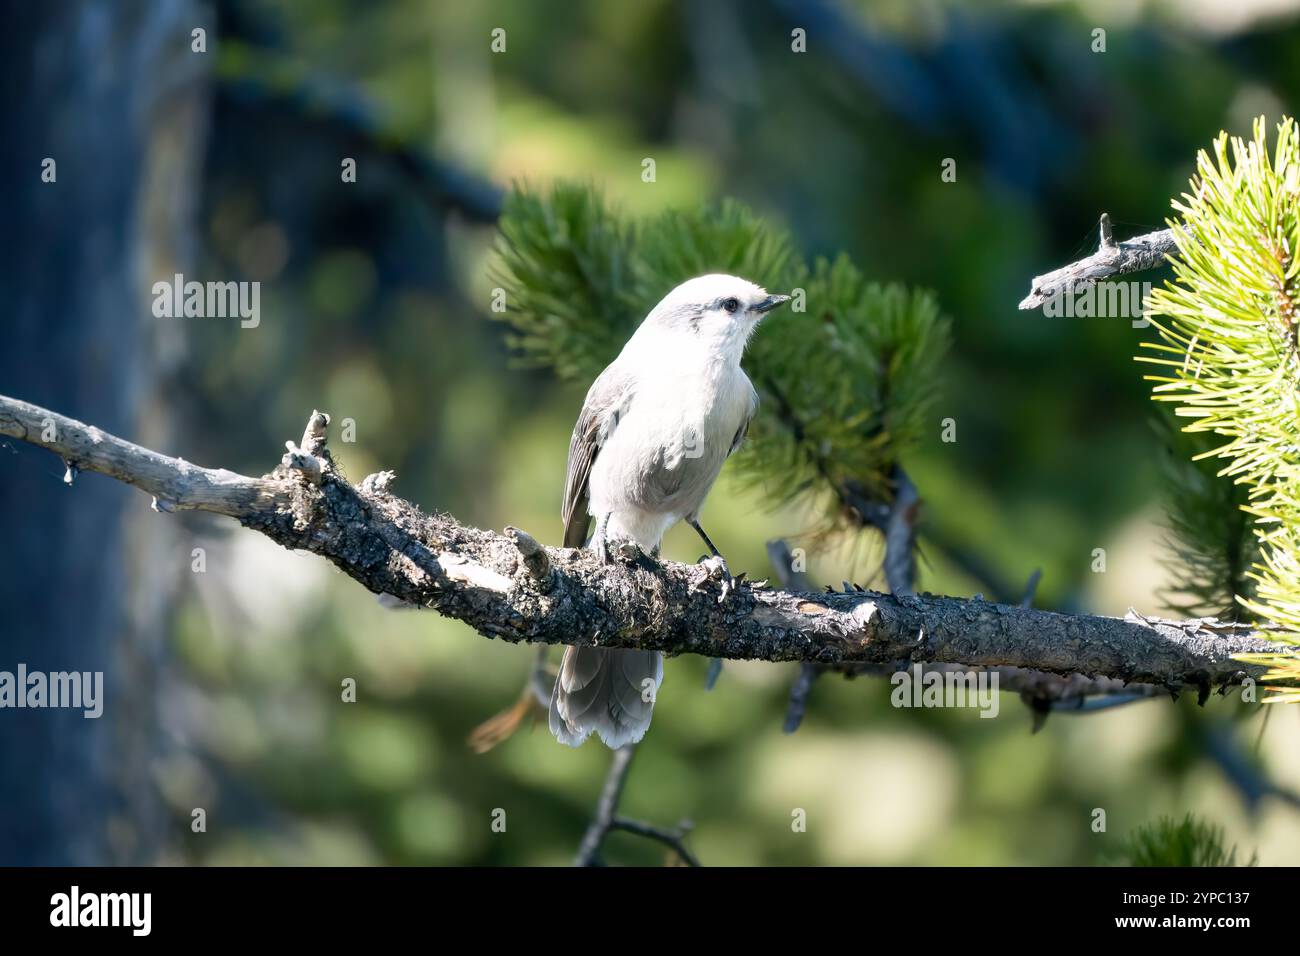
{"x": 782, "y": 560}
{"x": 969, "y": 563}
{"x": 606, "y": 818}
{"x": 800, "y": 691}
{"x": 673, "y": 839}
{"x": 900, "y": 535}
{"x": 1031, "y": 588}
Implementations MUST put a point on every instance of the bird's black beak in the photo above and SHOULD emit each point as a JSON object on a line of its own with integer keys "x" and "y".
{"x": 770, "y": 303}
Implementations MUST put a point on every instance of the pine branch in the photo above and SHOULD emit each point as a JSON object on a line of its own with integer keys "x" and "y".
{"x": 500, "y": 585}
{"x": 1042, "y": 692}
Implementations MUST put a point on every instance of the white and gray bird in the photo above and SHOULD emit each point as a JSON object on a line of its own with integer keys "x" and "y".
{"x": 653, "y": 433}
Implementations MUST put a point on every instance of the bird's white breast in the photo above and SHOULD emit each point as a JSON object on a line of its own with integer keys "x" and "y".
{"x": 671, "y": 441}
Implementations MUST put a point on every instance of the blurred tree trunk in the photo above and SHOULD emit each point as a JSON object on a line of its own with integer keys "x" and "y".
{"x": 115, "y": 96}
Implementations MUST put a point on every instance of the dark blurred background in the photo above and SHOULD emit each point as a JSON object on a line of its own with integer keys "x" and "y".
{"x": 223, "y": 685}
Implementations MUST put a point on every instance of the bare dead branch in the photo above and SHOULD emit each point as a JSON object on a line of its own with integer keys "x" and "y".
{"x": 1148, "y": 251}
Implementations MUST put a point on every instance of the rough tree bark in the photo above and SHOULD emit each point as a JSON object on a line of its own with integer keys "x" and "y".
{"x": 511, "y": 587}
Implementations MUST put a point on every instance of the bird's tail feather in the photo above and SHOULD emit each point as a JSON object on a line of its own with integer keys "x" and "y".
{"x": 606, "y": 691}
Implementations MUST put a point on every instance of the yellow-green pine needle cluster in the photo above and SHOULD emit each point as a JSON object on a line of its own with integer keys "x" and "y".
{"x": 1228, "y": 330}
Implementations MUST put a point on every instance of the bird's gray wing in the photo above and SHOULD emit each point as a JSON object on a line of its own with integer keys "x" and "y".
{"x": 744, "y": 425}
{"x": 606, "y": 402}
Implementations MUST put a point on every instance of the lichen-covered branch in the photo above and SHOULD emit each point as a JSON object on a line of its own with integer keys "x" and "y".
{"x": 1041, "y": 691}
{"x": 499, "y": 585}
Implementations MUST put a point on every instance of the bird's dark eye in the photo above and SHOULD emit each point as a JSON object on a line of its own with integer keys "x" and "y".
{"x": 731, "y": 305}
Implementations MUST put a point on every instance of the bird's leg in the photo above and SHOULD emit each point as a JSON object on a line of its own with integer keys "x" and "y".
{"x": 694, "y": 523}
{"x": 599, "y": 539}
{"x": 716, "y": 562}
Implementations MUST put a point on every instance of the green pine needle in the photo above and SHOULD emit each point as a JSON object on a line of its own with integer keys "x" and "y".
{"x": 1213, "y": 544}
{"x": 1229, "y": 324}
{"x": 1191, "y": 842}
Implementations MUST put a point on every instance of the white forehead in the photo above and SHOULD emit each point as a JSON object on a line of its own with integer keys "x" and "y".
{"x": 704, "y": 289}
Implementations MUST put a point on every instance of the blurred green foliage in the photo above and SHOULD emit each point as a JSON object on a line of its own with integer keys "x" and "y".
{"x": 1189, "y": 842}
{"x": 374, "y": 301}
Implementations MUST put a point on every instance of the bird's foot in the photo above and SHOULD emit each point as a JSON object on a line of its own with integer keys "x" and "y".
{"x": 718, "y": 571}
{"x": 611, "y": 548}
{"x": 627, "y": 551}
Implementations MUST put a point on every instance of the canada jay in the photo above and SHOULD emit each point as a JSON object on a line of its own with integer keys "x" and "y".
{"x": 653, "y": 433}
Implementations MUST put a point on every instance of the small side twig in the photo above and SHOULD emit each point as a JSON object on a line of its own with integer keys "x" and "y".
{"x": 996, "y": 586}
{"x": 606, "y": 818}
{"x": 1148, "y": 251}
{"x": 800, "y": 691}
{"x": 673, "y": 839}
{"x": 536, "y": 561}
{"x": 897, "y": 521}
{"x": 782, "y": 559}
{"x": 1031, "y": 588}
{"x": 900, "y": 535}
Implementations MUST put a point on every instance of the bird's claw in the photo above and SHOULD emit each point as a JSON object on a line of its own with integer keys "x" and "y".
{"x": 629, "y": 552}
{"x": 718, "y": 571}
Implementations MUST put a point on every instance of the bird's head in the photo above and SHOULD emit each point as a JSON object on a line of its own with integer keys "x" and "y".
{"x": 718, "y": 311}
